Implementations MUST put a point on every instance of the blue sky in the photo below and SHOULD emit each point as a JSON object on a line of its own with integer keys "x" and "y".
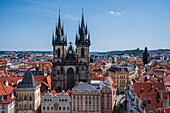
{"x": 113, "y": 24}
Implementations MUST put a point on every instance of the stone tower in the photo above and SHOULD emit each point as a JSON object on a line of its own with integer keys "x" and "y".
{"x": 70, "y": 66}
{"x": 28, "y": 95}
{"x": 145, "y": 56}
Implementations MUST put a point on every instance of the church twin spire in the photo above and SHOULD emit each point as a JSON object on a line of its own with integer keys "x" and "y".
{"x": 81, "y": 38}
{"x": 58, "y": 37}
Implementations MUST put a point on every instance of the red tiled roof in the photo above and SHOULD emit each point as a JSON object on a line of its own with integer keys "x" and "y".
{"x": 53, "y": 92}
{"x": 5, "y": 90}
{"x": 143, "y": 78}
{"x": 152, "y": 97}
{"x": 11, "y": 80}
{"x": 48, "y": 80}
{"x": 68, "y": 92}
{"x": 111, "y": 82}
{"x": 44, "y": 86}
{"x": 147, "y": 87}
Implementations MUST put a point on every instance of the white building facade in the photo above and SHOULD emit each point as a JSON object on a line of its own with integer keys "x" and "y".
{"x": 55, "y": 103}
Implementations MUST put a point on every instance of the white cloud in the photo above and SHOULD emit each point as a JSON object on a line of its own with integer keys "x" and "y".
{"x": 114, "y": 13}
{"x": 72, "y": 18}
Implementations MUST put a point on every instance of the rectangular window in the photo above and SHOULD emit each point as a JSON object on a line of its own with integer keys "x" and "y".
{"x": 77, "y": 102}
{"x": 97, "y": 102}
{"x": 59, "y": 108}
{"x": 102, "y": 106}
{"x": 89, "y": 102}
{"x": 107, "y": 106}
{"x": 89, "y": 108}
{"x": 86, "y": 101}
{"x": 94, "y": 97}
{"x": 89, "y": 97}
{"x": 73, "y": 101}
{"x": 108, "y": 100}
{"x": 97, "y": 108}
{"x": 86, "y": 109}
{"x": 102, "y": 99}
{"x": 77, "y": 108}
{"x": 81, "y": 101}
{"x": 81, "y": 108}
{"x": 43, "y": 108}
{"x": 93, "y": 101}
{"x": 67, "y": 108}
{"x": 48, "y": 108}
{"x": 63, "y": 108}
{"x": 77, "y": 97}
{"x": 74, "y": 108}
{"x": 93, "y": 108}
{"x": 51, "y": 108}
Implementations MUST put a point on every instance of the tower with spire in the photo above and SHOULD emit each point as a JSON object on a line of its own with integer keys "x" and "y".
{"x": 145, "y": 56}
{"x": 59, "y": 42}
{"x": 70, "y": 66}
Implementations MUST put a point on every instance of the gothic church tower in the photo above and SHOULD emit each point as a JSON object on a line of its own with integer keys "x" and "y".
{"x": 70, "y": 66}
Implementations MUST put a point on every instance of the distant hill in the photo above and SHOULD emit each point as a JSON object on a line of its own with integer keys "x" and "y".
{"x": 134, "y": 52}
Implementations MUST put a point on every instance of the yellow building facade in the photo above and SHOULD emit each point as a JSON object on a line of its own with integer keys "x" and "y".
{"x": 122, "y": 75}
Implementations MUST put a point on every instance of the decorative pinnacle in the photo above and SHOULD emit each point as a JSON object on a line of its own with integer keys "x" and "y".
{"x": 59, "y": 10}
{"x": 82, "y": 10}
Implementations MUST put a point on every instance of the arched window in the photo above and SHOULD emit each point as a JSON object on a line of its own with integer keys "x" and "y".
{"x": 58, "y": 52}
{"x": 30, "y": 107}
{"x": 30, "y": 97}
{"x": 82, "y": 52}
{"x": 25, "y": 98}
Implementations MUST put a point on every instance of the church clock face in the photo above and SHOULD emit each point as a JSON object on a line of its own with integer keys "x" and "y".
{"x": 70, "y": 51}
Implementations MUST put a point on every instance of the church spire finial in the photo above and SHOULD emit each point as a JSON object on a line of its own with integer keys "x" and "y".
{"x": 82, "y": 21}
{"x": 59, "y": 21}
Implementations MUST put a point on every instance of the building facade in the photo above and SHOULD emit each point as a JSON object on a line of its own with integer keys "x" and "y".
{"x": 7, "y": 98}
{"x": 55, "y": 102}
{"x": 92, "y": 98}
{"x": 70, "y": 66}
{"x": 121, "y": 75}
{"x": 28, "y": 95}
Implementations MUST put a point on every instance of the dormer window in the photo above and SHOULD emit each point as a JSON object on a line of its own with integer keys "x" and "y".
{"x": 12, "y": 95}
{"x": 1, "y": 98}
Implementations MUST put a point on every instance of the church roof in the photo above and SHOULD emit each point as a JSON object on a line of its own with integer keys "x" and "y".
{"x": 28, "y": 81}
